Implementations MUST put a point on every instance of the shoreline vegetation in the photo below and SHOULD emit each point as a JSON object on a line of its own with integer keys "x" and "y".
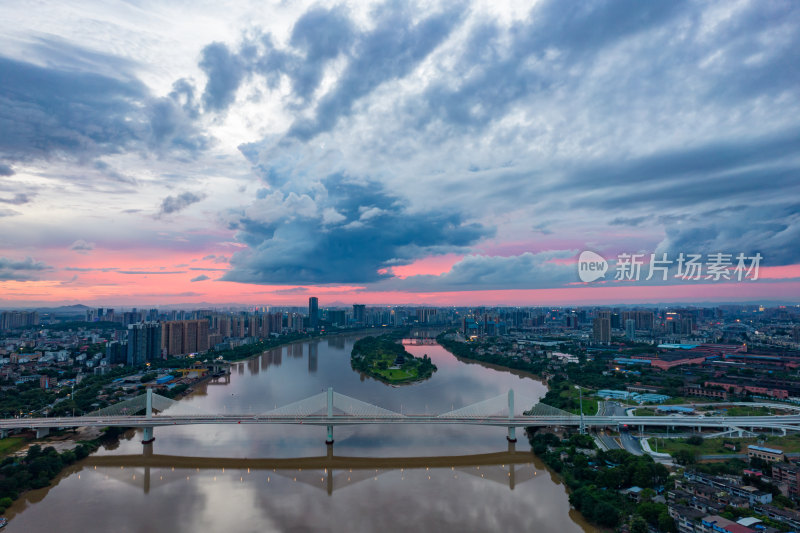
{"x": 595, "y": 479}
{"x": 384, "y": 358}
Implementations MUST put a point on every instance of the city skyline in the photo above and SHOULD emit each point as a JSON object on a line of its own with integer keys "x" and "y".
{"x": 394, "y": 153}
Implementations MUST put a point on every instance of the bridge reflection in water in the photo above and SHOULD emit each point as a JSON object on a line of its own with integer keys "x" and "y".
{"x": 329, "y": 472}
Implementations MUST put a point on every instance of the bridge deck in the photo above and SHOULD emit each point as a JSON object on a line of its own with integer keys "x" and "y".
{"x": 785, "y": 422}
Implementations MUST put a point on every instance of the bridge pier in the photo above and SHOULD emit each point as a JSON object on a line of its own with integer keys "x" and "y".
{"x": 147, "y": 435}
{"x": 4, "y": 433}
{"x": 512, "y": 474}
{"x": 512, "y": 435}
{"x": 147, "y": 480}
{"x": 42, "y": 432}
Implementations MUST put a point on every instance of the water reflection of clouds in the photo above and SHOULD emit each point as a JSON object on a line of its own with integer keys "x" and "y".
{"x": 416, "y": 499}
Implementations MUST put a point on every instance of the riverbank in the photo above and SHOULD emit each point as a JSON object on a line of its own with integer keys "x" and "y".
{"x": 596, "y": 479}
{"x": 39, "y": 466}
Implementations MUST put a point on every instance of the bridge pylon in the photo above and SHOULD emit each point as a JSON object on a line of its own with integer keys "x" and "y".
{"x": 147, "y": 431}
{"x": 512, "y": 431}
{"x": 329, "y": 440}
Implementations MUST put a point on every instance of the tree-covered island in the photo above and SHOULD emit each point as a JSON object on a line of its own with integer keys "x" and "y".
{"x": 385, "y": 359}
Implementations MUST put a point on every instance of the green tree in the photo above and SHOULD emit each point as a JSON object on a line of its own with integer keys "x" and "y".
{"x": 638, "y": 525}
{"x": 666, "y": 523}
{"x": 695, "y": 440}
{"x": 647, "y": 495}
{"x": 649, "y": 511}
{"x": 684, "y": 457}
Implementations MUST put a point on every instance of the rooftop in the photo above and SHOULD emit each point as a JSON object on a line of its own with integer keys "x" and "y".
{"x": 763, "y": 449}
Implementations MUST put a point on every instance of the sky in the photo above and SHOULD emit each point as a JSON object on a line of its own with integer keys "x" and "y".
{"x": 393, "y": 152}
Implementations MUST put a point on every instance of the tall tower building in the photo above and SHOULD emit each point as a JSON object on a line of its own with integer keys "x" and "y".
{"x": 359, "y": 312}
{"x": 313, "y": 313}
{"x": 190, "y": 336}
{"x": 630, "y": 328}
{"x": 602, "y": 330}
{"x": 144, "y": 343}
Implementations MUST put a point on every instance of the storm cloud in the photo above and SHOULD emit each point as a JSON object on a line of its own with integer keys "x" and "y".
{"x": 348, "y": 232}
{"x": 67, "y": 111}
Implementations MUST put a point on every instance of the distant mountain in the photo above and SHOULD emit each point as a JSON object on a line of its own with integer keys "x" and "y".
{"x": 76, "y": 309}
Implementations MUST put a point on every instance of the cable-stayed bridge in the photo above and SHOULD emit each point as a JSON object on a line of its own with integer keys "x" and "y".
{"x": 330, "y": 409}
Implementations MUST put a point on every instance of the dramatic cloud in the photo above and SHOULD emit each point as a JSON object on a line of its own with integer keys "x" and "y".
{"x": 290, "y": 239}
{"x": 201, "y": 277}
{"x": 225, "y": 71}
{"x": 390, "y": 50}
{"x": 173, "y": 204}
{"x": 482, "y": 120}
{"x": 773, "y": 232}
{"x": 74, "y": 112}
{"x": 336, "y": 143}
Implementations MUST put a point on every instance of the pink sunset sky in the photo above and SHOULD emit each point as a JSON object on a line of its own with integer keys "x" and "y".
{"x": 93, "y": 278}
{"x": 381, "y": 153}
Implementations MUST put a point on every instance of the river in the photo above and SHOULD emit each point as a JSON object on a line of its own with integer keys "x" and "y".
{"x": 264, "y": 478}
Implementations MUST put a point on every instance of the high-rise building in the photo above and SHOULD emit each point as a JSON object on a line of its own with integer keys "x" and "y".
{"x": 224, "y": 327}
{"x": 571, "y": 321}
{"x": 359, "y": 314}
{"x": 144, "y": 343}
{"x": 313, "y": 313}
{"x": 295, "y": 322}
{"x": 238, "y": 327}
{"x": 275, "y": 323}
{"x": 630, "y": 328}
{"x": 117, "y": 352}
{"x": 180, "y": 337}
{"x": 426, "y": 315}
{"x": 254, "y": 326}
{"x": 190, "y": 336}
{"x": 337, "y": 317}
{"x": 18, "y": 319}
{"x": 645, "y": 320}
{"x": 602, "y": 330}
